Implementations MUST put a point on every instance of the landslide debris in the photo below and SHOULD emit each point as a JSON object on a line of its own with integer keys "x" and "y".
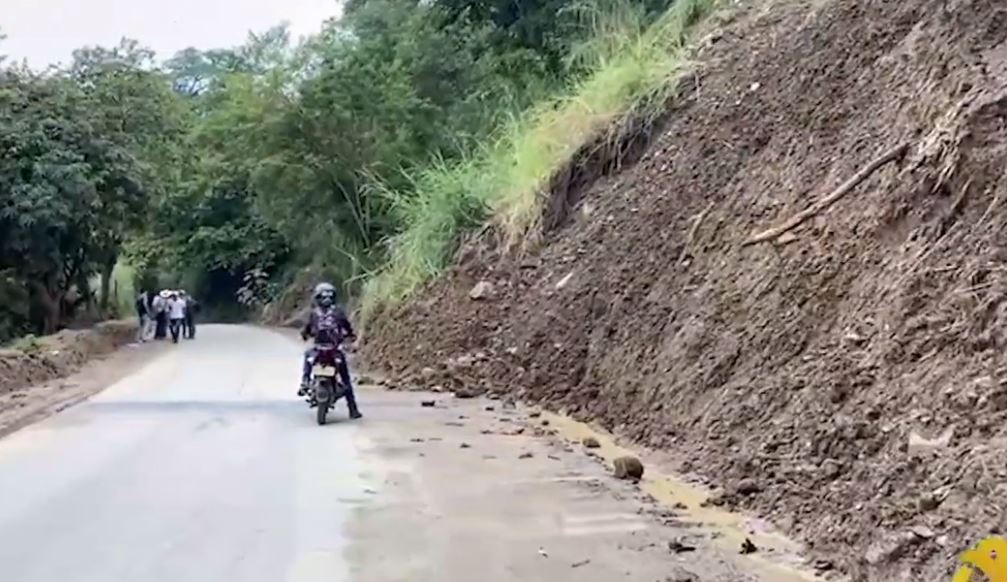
{"x": 812, "y": 376}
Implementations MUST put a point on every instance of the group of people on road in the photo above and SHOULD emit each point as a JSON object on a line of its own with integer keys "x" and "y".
{"x": 168, "y": 312}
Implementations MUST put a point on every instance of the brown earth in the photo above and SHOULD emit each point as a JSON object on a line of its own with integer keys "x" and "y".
{"x": 792, "y": 374}
{"x": 25, "y": 372}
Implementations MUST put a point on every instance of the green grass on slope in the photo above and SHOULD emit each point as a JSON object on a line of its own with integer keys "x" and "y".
{"x": 634, "y": 69}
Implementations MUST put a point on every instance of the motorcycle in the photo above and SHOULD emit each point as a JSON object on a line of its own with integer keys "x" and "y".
{"x": 326, "y": 386}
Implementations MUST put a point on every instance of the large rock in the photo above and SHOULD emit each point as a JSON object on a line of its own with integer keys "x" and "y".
{"x": 629, "y": 468}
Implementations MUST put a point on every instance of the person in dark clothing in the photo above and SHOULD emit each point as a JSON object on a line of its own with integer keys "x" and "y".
{"x": 143, "y": 315}
{"x": 191, "y": 311}
{"x": 328, "y": 324}
{"x": 161, "y": 315}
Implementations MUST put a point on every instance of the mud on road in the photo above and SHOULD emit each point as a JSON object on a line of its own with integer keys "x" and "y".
{"x": 477, "y": 485}
{"x": 198, "y": 462}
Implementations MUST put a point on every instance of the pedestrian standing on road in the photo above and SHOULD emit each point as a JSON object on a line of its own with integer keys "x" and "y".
{"x": 191, "y": 311}
{"x": 143, "y": 314}
{"x": 176, "y": 315}
{"x": 161, "y": 315}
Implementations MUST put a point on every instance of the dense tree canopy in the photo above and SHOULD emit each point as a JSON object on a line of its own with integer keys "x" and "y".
{"x": 210, "y": 165}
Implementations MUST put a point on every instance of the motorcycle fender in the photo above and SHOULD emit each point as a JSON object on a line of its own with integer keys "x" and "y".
{"x": 323, "y": 391}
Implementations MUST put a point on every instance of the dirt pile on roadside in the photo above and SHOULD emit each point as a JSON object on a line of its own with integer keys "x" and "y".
{"x": 820, "y": 367}
{"x": 61, "y": 354}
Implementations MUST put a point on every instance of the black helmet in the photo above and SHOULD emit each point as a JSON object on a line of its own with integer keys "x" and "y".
{"x": 325, "y": 294}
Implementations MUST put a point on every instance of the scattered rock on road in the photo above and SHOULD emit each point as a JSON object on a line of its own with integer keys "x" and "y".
{"x": 591, "y": 442}
{"x": 629, "y": 468}
{"x": 526, "y": 455}
{"x": 469, "y": 392}
{"x": 428, "y": 403}
{"x": 464, "y": 446}
{"x": 678, "y": 547}
{"x": 747, "y": 547}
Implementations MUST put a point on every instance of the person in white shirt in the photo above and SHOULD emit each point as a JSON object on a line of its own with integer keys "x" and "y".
{"x": 176, "y": 315}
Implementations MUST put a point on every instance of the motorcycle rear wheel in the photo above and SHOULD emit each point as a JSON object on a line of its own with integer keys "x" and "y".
{"x": 321, "y": 411}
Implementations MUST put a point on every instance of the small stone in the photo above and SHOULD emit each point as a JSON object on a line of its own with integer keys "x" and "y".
{"x": 629, "y": 468}
{"x": 482, "y": 290}
{"x": 831, "y": 469}
{"x": 464, "y": 446}
{"x": 490, "y": 408}
{"x": 681, "y": 575}
{"x": 526, "y": 455}
{"x": 534, "y": 414}
{"x": 890, "y": 549}
{"x": 428, "y": 373}
{"x": 823, "y": 565}
{"x": 545, "y": 422}
{"x": 676, "y": 546}
{"x": 919, "y": 444}
{"x": 747, "y": 547}
{"x": 564, "y": 281}
{"x": 747, "y": 487}
{"x": 428, "y": 403}
{"x": 590, "y": 442}
{"x": 416, "y": 440}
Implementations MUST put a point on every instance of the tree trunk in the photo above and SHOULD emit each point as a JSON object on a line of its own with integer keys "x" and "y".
{"x": 106, "y": 286}
{"x": 50, "y": 303}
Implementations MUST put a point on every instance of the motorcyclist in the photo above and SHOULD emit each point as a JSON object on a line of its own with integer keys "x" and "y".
{"x": 328, "y": 324}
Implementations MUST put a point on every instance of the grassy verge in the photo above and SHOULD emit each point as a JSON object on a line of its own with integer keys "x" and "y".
{"x": 633, "y": 70}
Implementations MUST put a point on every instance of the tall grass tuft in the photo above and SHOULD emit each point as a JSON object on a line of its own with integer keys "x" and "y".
{"x": 631, "y": 69}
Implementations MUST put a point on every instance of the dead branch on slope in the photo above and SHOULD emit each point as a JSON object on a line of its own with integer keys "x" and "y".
{"x": 793, "y": 222}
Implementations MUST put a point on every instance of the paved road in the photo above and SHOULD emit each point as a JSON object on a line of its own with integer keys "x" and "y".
{"x": 203, "y": 466}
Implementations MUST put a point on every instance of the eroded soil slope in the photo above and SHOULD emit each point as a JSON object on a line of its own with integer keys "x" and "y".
{"x": 60, "y": 354}
{"x": 803, "y": 365}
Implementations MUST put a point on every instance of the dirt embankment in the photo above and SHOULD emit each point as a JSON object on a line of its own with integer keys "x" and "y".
{"x": 60, "y": 355}
{"x": 803, "y": 365}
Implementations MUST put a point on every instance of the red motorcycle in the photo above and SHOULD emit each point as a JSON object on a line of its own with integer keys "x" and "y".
{"x": 326, "y": 385}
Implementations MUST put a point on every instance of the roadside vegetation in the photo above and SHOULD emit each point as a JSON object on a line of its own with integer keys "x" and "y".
{"x": 630, "y": 65}
{"x": 359, "y": 154}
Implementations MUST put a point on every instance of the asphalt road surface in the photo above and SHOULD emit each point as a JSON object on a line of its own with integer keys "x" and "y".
{"x": 202, "y": 465}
